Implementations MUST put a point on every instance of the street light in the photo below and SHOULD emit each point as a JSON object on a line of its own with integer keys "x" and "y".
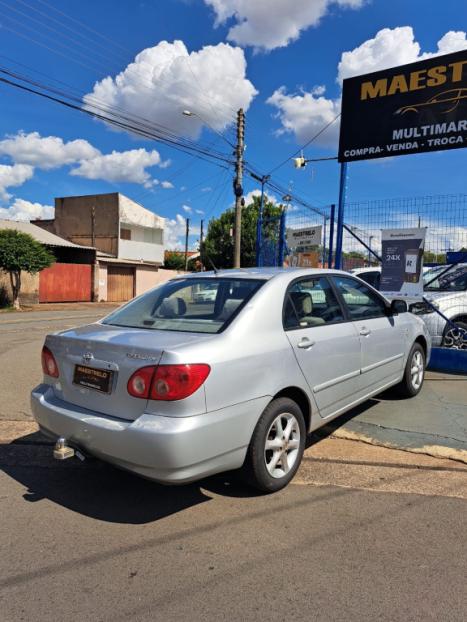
{"x": 190, "y": 113}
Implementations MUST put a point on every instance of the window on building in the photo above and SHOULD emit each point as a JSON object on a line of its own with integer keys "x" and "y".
{"x": 125, "y": 234}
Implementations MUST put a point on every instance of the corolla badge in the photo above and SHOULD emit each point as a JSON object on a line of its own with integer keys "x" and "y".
{"x": 142, "y": 357}
{"x": 88, "y": 356}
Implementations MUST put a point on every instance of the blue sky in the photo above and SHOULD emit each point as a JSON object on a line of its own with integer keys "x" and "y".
{"x": 277, "y": 59}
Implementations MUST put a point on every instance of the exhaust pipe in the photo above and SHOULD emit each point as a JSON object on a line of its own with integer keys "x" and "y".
{"x": 62, "y": 451}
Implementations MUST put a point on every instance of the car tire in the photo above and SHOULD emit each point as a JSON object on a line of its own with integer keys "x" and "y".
{"x": 414, "y": 373}
{"x": 453, "y": 338}
{"x": 276, "y": 447}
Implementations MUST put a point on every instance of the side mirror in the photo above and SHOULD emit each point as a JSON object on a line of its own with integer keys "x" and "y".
{"x": 398, "y": 306}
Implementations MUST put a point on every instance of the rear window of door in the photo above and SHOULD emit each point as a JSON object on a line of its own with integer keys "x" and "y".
{"x": 360, "y": 301}
{"x": 311, "y": 302}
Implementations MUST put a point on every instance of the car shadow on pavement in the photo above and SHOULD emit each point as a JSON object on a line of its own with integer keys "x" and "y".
{"x": 98, "y": 490}
{"x": 328, "y": 429}
{"x": 93, "y": 488}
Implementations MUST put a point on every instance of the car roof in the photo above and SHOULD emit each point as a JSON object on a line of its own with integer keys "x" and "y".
{"x": 357, "y": 271}
{"x": 259, "y": 273}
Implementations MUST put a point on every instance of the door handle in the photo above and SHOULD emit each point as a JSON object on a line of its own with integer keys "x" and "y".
{"x": 364, "y": 331}
{"x": 305, "y": 344}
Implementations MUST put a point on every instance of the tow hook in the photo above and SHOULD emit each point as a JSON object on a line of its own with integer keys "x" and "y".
{"x": 62, "y": 451}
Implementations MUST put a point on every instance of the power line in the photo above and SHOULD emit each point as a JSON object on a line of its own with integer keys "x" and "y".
{"x": 51, "y": 28}
{"x": 148, "y": 85}
{"x": 83, "y": 25}
{"x": 89, "y": 106}
{"x": 312, "y": 139}
{"x": 114, "y": 110}
{"x": 126, "y": 123}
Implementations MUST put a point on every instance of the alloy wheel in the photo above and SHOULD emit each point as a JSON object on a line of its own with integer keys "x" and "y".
{"x": 417, "y": 369}
{"x": 281, "y": 449}
{"x": 455, "y": 338}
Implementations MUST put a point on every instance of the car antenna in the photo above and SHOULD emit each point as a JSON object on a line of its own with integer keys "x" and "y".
{"x": 212, "y": 263}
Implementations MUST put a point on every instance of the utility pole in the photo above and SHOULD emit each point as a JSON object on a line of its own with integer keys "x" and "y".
{"x": 238, "y": 189}
{"x": 201, "y": 240}
{"x": 259, "y": 224}
{"x": 186, "y": 242}
{"x": 93, "y": 226}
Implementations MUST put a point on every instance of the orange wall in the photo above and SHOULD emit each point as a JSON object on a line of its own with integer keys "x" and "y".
{"x": 147, "y": 278}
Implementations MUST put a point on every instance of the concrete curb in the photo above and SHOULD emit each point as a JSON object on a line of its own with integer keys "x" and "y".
{"x": 414, "y": 442}
{"x": 430, "y": 445}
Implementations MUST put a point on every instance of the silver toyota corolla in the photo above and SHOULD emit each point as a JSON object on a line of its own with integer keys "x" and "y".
{"x": 176, "y": 388}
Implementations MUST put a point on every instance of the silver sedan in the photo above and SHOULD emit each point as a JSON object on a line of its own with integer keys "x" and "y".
{"x": 175, "y": 390}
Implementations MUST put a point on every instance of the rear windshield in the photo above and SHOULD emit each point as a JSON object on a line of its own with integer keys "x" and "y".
{"x": 203, "y": 305}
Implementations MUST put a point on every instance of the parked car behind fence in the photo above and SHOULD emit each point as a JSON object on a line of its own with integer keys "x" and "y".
{"x": 448, "y": 293}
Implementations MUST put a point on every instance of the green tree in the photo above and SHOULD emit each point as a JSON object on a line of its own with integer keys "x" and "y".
{"x": 174, "y": 260}
{"x": 430, "y": 257}
{"x": 20, "y": 252}
{"x": 218, "y": 245}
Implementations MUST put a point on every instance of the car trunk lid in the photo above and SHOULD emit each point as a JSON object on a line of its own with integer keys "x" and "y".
{"x": 111, "y": 351}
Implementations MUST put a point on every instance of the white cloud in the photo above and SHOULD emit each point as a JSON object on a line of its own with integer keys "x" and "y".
{"x": 269, "y": 24}
{"x": 303, "y": 114}
{"x": 13, "y": 175}
{"x": 453, "y": 41}
{"x": 174, "y": 233}
{"x": 257, "y": 193}
{"x": 207, "y": 189}
{"x": 45, "y": 152}
{"x": 25, "y": 210}
{"x": 199, "y": 211}
{"x": 388, "y": 48}
{"x": 120, "y": 166}
{"x": 166, "y": 184}
{"x": 187, "y": 209}
{"x": 166, "y": 79}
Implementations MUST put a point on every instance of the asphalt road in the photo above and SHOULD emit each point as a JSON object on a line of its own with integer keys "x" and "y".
{"x": 88, "y": 542}
{"x": 363, "y": 533}
{"x": 21, "y": 339}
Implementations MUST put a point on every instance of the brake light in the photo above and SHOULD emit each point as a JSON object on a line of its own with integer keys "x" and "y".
{"x": 139, "y": 384}
{"x": 175, "y": 382}
{"x": 167, "y": 382}
{"x": 49, "y": 364}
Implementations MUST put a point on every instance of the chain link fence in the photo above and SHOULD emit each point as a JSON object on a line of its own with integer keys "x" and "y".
{"x": 444, "y": 216}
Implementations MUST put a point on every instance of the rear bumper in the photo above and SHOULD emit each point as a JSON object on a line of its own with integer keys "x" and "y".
{"x": 166, "y": 449}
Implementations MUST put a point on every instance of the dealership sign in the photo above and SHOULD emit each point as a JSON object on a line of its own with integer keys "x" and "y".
{"x": 402, "y": 261}
{"x": 408, "y": 109}
{"x": 300, "y": 238}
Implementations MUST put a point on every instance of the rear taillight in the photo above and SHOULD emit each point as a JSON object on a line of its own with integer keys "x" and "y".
{"x": 139, "y": 384}
{"x": 167, "y": 382}
{"x": 49, "y": 364}
{"x": 174, "y": 382}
